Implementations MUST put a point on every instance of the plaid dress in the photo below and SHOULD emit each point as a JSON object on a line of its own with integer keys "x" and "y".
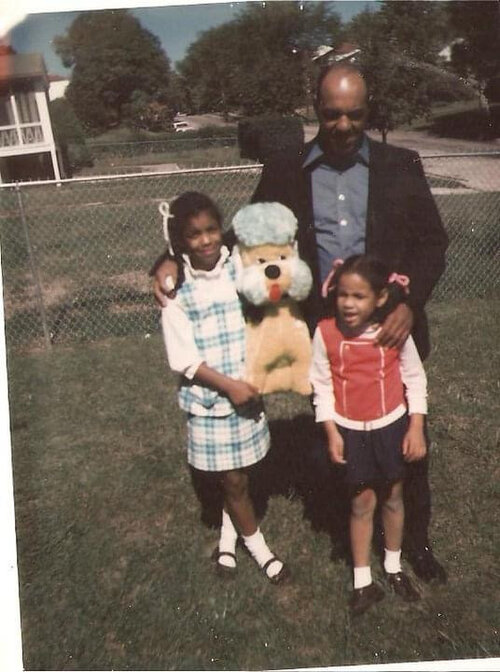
{"x": 220, "y": 436}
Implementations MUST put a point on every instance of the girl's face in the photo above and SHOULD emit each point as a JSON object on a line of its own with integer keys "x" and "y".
{"x": 357, "y": 301}
{"x": 203, "y": 240}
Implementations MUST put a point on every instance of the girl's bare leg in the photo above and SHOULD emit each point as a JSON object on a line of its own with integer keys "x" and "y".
{"x": 393, "y": 517}
{"x": 361, "y": 526}
{"x": 237, "y": 501}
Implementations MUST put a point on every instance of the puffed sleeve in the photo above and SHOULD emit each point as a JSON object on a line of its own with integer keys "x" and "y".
{"x": 321, "y": 380}
{"x": 182, "y": 353}
{"x": 413, "y": 377}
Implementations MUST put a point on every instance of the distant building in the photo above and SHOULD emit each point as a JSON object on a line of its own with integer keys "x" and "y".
{"x": 27, "y": 146}
{"x": 57, "y": 86}
{"x": 325, "y": 54}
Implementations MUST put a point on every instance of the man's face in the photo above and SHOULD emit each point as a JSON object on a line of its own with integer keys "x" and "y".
{"x": 342, "y": 112}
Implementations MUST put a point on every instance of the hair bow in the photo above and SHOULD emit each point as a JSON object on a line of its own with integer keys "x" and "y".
{"x": 402, "y": 280}
{"x": 326, "y": 287}
{"x": 164, "y": 209}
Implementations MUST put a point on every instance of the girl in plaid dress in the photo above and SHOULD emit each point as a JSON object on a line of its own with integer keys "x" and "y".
{"x": 204, "y": 335}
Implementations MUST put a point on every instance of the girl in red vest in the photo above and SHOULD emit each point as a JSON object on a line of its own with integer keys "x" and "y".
{"x": 371, "y": 401}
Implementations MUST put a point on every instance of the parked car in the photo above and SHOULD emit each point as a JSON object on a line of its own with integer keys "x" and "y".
{"x": 181, "y": 126}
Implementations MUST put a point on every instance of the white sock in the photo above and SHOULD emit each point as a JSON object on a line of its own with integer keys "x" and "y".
{"x": 227, "y": 541}
{"x": 392, "y": 561}
{"x": 362, "y": 577}
{"x": 260, "y": 551}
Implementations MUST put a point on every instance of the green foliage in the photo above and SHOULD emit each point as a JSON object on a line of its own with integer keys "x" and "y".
{"x": 144, "y": 113}
{"x": 69, "y": 136}
{"x": 256, "y": 63}
{"x": 477, "y": 53}
{"x": 400, "y": 45}
{"x": 119, "y": 68}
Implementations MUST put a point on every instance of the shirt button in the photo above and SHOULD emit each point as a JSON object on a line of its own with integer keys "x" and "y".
{"x": 341, "y": 197}
{"x": 343, "y": 222}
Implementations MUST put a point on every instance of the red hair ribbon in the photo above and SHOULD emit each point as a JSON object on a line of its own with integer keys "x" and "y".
{"x": 401, "y": 280}
{"x": 325, "y": 287}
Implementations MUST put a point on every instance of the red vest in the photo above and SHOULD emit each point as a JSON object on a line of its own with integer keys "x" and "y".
{"x": 366, "y": 378}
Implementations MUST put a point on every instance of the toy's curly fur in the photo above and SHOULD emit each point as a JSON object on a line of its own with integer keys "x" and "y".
{"x": 264, "y": 224}
{"x": 273, "y": 277}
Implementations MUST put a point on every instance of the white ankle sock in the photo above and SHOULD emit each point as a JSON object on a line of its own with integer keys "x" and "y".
{"x": 227, "y": 541}
{"x": 260, "y": 551}
{"x": 392, "y": 561}
{"x": 362, "y": 577}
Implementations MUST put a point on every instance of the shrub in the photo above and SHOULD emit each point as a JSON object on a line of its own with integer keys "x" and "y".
{"x": 261, "y": 137}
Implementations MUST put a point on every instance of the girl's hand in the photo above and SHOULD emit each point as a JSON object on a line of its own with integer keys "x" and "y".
{"x": 414, "y": 447}
{"x": 335, "y": 443}
{"x": 240, "y": 392}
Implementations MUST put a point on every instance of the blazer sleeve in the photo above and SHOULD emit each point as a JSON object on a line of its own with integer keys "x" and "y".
{"x": 426, "y": 250}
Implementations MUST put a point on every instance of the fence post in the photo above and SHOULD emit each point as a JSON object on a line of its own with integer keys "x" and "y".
{"x": 34, "y": 270}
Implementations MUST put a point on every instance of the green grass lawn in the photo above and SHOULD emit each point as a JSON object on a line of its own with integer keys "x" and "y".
{"x": 114, "y": 537}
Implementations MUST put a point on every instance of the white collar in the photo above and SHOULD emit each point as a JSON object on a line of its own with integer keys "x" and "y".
{"x": 200, "y": 273}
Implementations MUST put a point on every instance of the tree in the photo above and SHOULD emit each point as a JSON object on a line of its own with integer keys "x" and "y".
{"x": 208, "y": 70}
{"x": 69, "y": 136}
{"x": 117, "y": 64}
{"x": 399, "y": 54}
{"x": 476, "y": 54}
{"x": 255, "y": 63}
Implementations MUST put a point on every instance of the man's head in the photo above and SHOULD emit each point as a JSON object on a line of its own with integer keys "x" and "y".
{"x": 341, "y": 106}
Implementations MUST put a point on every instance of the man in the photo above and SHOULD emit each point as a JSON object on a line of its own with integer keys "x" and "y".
{"x": 352, "y": 195}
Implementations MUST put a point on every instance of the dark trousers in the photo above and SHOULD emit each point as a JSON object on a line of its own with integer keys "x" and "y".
{"x": 417, "y": 501}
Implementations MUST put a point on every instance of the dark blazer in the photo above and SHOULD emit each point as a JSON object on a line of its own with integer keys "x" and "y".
{"x": 403, "y": 225}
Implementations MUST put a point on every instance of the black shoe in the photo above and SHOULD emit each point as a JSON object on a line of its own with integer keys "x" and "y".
{"x": 282, "y": 576}
{"x": 223, "y": 571}
{"x": 426, "y": 567}
{"x": 363, "y": 598}
{"x": 402, "y": 586}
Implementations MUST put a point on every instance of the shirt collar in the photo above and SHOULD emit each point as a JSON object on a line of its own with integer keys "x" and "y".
{"x": 200, "y": 273}
{"x": 316, "y": 154}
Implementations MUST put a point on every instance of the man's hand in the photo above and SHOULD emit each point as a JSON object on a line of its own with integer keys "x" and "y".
{"x": 396, "y": 327}
{"x": 165, "y": 279}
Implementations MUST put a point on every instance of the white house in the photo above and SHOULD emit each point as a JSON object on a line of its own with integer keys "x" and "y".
{"x": 27, "y": 147}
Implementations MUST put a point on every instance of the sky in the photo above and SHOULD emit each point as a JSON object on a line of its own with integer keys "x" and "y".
{"x": 176, "y": 25}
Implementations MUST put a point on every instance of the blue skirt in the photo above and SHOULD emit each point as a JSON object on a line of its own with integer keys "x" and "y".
{"x": 228, "y": 442}
{"x": 374, "y": 457}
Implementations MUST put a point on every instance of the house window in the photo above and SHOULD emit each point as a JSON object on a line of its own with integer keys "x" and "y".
{"x": 6, "y": 112}
{"x": 19, "y": 119}
{"x": 27, "y": 108}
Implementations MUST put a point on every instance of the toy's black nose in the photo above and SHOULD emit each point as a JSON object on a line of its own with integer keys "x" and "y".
{"x": 272, "y": 272}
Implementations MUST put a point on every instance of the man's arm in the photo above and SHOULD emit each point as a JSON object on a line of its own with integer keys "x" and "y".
{"x": 424, "y": 260}
{"x": 426, "y": 253}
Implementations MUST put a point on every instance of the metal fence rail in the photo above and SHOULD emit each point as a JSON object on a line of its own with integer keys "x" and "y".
{"x": 76, "y": 255}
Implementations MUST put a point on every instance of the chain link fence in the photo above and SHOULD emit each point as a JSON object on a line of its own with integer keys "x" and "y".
{"x": 76, "y": 255}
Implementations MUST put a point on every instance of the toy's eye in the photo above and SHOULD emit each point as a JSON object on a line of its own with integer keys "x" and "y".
{"x": 283, "y": 257}
{"x": 261, "y": 261}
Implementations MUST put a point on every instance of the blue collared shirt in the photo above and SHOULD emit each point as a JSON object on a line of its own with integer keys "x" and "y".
{"x": 340, "y": 203}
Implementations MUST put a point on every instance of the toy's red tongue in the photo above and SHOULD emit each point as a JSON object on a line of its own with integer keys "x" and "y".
{"x": 274, "y": 293}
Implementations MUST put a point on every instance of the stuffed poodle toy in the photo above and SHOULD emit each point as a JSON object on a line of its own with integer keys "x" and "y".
{"x": 274, "y": 278}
